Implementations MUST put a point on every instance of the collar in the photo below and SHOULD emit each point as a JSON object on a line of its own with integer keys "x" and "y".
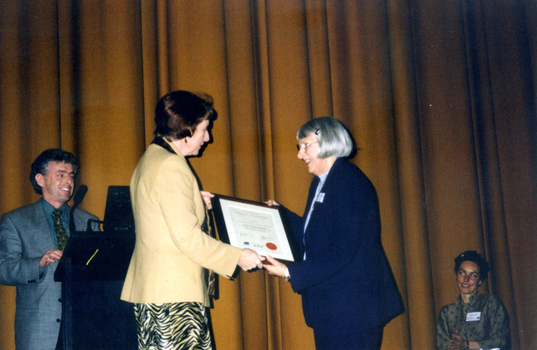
{"x": 337, "y": 164}
{"x": 322, "y": 177}
{"x": 161, "y": 141}
{"x": 472, "y": 299}
{"x": 49, "y": 208}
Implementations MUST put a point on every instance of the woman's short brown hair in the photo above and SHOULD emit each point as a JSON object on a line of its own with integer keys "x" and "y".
{"x": 178, "y": 113}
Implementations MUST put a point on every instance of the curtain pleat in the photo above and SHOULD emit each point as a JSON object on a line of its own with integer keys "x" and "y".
{"x": 439, "y": 96}
{"x": 420, "y": 310}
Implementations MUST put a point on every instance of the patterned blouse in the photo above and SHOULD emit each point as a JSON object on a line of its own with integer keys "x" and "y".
{"x": 484, "y": 319}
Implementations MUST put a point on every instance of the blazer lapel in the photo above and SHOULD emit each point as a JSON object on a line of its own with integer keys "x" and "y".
{"x": 311, "y": 194}
{"x": 326, "y": 187}
{"x": 38, "y": 227}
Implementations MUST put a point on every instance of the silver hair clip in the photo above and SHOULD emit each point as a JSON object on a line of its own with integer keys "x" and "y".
{"x": 317, "y": 131}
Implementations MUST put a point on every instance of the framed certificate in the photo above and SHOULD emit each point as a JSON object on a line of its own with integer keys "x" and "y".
{"x": 254, "y": 225}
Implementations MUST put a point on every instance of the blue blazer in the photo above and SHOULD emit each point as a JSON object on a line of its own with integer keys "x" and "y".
{"x": 346, "y": 282}
{"x": 25, "y": 236}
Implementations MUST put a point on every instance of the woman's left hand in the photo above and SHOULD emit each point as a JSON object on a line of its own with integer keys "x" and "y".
{"x": 207, "y": 199}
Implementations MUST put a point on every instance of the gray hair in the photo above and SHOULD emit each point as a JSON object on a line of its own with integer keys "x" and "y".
{"x": 331, "y": 134}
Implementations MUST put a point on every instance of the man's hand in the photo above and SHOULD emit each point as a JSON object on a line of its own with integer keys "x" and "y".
{"x": 50, "y": 257}
{"x": 250, "y": 260}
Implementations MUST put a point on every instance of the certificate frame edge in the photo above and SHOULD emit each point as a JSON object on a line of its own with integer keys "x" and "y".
{"x": 222, "y": 228}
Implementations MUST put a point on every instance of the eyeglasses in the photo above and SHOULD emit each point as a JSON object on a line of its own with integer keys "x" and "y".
{"x": 304, "y": 146}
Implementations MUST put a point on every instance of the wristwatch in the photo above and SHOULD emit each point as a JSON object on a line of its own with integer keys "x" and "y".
{"x": 287, "y": 276}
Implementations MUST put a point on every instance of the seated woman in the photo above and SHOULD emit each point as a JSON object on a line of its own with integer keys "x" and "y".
{"x": 473, "y": 321}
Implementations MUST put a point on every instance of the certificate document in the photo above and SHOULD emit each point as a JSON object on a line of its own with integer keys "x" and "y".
{"x": 254, "y": 225}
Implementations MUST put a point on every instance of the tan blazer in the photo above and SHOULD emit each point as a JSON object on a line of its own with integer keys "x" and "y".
{"x": 171, "y": 251}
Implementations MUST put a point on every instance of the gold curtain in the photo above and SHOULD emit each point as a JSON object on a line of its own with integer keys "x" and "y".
{"x": 439, "y": 95}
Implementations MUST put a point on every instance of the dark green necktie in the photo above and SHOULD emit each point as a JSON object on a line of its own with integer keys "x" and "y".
{"x": 61, "y": 233}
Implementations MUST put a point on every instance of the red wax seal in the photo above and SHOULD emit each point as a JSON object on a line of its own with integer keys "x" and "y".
{"x": 271, "y": 246}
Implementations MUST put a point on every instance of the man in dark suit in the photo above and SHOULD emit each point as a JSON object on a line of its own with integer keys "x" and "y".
{"x": 348, "y": 291}
{"x": 32, "y": 239}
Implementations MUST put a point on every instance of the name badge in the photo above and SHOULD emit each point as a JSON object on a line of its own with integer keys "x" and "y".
{"x": 473, "y": 316}
{"x": 320, "y": 197}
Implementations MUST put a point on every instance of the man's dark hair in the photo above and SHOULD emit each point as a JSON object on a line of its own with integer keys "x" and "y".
{"x": 40, "y": 164}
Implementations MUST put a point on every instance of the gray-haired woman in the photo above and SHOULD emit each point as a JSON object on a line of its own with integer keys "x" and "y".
{"x": 348, "y": 291}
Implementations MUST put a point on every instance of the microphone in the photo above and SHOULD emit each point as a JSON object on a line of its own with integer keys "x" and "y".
{"x": 79, "y": 196}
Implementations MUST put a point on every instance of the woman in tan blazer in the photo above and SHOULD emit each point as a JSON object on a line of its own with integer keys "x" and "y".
{"x": 167, "y": 275}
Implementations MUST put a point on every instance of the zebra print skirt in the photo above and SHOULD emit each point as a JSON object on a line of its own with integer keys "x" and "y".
{"x": 172, "y": 326}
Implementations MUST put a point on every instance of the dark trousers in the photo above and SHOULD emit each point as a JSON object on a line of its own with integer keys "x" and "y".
{"x": 368, "y": 339}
